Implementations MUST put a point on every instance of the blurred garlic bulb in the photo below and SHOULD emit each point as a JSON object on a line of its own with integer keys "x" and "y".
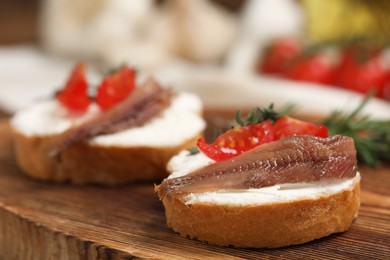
{"x": 196, "y": 29}
{"x": 138, "y": 33}
{"x": 108, "y": 31}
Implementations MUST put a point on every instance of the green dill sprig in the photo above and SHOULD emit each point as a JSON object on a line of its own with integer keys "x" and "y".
{"x": 193, "y": 150}
{"x": 116, "y": 69}
{"x": 371, "y": 137}
{"x": 258, "y": 115}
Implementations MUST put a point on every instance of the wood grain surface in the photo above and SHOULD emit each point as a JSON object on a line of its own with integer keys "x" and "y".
{"x": 51, "y": 221}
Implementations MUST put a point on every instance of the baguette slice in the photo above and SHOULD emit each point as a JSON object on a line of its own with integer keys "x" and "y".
{"x": 136, "y": 154}
{"x": 270, "y": 217}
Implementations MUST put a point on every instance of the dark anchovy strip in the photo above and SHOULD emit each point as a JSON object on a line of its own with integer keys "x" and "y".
{"x": 142, "y": 105}
{"x": 292, "y": 159}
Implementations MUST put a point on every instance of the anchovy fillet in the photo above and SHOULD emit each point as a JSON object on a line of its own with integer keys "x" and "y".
{"x": 293, "y": 159}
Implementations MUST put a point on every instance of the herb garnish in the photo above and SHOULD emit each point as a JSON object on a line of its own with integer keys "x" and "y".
{"x": 193, "y": 150}
{"x": 371, "y": 137}
{"x": 258, "y": 115}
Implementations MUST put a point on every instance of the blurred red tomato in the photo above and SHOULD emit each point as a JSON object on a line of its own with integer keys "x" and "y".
{"x": 278, "y": 54}
{"x": 384, "y": 91}
{"x": 363, "y": 70}
{"x": 74, "y": 95}
{"x": 312, "y": 68}
{"x": 115, "y": 88}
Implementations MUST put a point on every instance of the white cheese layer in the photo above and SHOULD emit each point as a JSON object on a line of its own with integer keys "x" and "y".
{"x": 178, "y": 123}
{"x": 184, "y": 163}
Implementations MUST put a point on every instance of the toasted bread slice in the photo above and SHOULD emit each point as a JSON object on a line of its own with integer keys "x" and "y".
{"x": 276, "y": 216}
{"x": 136, "y": 154}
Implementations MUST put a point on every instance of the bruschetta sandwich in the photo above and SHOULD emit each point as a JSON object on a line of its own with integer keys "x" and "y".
{"x": 127, "y": 132}
{"x": 270, "y": 183}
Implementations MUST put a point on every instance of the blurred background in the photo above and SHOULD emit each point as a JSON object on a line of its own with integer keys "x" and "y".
{"x": 22, "y": 16}
{"x": 321, "y": 55}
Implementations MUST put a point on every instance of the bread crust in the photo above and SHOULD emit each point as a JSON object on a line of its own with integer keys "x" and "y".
{"x": 264, "y": 226}
{"x": 85, "y": 163}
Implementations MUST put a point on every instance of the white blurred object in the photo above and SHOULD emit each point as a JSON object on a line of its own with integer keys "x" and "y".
{"x": 220, "y": 89}
{"x": 261, "y": 21}
{"x": 108, "y": 31}
{"x": 135, "y": 32}
{"x": 198, "y": 29}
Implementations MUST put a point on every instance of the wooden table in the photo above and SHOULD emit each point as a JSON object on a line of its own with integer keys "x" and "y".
{"x": 43, "y": 220}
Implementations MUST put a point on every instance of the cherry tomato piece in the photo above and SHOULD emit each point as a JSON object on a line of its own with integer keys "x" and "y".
{"x": 287, "y": 126}
{"x": 214, "y": 151}
{"x": 115, "y": 88}
{"x": 278, "y": 54}
{"x": 236, "y": 141}
{"x": 74, "y": 96}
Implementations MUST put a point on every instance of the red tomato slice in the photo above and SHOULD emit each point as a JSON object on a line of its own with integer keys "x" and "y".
{"x": 115, "y": 88}
{"x": 241, "y": 139}
{"x": 287, "y": 126}
{"x": 74, "y": 96}
{"x": 236, "y": 141}
{"x": 278, "y": 54}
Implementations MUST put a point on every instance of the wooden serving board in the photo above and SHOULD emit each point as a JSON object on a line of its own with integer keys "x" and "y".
{"x": 52, "y": 221}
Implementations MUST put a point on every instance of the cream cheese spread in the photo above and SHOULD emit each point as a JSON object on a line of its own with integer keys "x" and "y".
{"x": 178, "y": 123}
